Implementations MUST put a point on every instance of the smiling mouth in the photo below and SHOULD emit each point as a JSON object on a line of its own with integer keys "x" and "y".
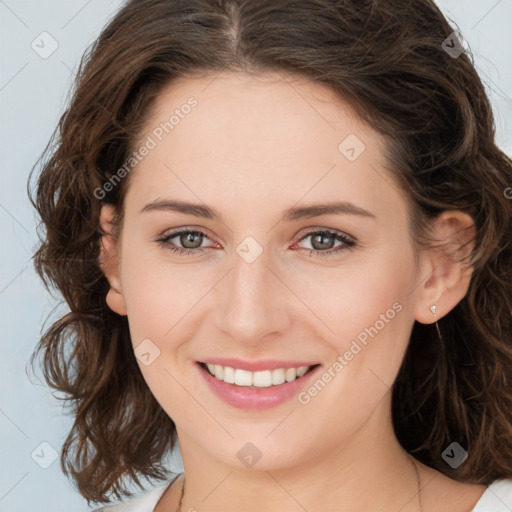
{"x": 256, "y": 380}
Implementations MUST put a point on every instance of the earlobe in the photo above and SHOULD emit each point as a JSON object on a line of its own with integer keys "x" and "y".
{"x": 446, "y": 274}
{"x": 109, "y": 261}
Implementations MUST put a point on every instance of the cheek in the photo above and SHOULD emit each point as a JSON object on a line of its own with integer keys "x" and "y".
{"x": 158, "y": 293}
{"x": 364, "y": 290}
{"x": 369, "y": 312}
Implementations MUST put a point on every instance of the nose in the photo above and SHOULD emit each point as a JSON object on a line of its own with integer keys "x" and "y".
{"x": 254, "y": 304}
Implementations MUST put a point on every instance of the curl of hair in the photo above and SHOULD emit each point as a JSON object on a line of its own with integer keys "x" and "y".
{"x": 386, "y": 59}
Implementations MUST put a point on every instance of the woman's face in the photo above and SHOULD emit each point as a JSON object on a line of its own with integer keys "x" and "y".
{"x": 262, "y": 284}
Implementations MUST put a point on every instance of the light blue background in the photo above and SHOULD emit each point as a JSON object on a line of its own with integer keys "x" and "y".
{"x": 33, "y": 92}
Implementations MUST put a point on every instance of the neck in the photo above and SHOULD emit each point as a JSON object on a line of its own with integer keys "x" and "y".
{"x": 368, "y": 470}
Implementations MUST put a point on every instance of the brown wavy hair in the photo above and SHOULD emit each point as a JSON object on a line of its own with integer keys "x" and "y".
{"x": 387, "y": 59}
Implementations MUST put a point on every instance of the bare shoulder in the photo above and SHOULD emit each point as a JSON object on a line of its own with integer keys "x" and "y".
{"x": 440, "y": 492}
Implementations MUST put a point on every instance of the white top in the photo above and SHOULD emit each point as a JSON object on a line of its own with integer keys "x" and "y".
{"x": 143, "y": 503}
{"x": 496, "y": 498}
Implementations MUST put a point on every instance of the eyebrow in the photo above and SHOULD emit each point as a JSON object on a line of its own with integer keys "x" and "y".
{"x": 291, "y": 214}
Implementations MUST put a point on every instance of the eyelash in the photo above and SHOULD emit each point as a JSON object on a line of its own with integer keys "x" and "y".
{"x": 348, "y": 243}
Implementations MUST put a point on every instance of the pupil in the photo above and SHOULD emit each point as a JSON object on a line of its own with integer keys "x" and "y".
{"x": 322, "y": 245}
{"x": 188, "y": 237}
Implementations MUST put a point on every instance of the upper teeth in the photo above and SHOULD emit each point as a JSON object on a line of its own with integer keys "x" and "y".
{"x": 260, "y": 379}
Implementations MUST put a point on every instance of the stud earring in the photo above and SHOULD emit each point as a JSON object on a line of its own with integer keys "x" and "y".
{"x": 433, "y": 308}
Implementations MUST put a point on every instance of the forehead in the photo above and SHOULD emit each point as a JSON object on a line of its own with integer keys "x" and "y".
{"x": 273, "y": 137}
{"x": 271, "y": 111}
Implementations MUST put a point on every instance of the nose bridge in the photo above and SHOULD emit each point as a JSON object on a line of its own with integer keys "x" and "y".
{"x": 252, "y": 301}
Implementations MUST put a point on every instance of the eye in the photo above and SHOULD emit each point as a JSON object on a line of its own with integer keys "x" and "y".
{"x": 190, "y": 240}
{"x": 322, "y": 242}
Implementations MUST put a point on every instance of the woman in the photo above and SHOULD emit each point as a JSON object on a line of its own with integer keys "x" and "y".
{"x": 283, "y": 233}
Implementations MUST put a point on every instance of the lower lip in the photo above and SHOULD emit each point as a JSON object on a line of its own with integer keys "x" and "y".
{"x": 255, "y": 399}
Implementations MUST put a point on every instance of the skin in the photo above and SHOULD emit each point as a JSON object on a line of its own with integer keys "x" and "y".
{"x": 252, "y": 148}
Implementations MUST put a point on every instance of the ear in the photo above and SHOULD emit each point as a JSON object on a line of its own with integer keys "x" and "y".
{"x": 445, "y": 270}
{"x": 109, "y": 261}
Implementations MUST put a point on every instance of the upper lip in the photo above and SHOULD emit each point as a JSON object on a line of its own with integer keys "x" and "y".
{"x": 255, "y": 366}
